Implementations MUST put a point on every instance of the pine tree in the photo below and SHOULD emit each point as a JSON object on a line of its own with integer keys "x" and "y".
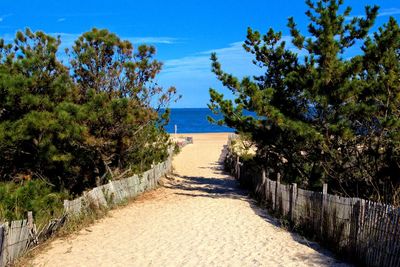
{"x": 318, "y": 117}
{"x": 75, "y": 127}
{"x": 123, "y": 102}
{"x": 377, "y": 113}
{"x": 330, "y": 81}
{"x": 38, "y": 117}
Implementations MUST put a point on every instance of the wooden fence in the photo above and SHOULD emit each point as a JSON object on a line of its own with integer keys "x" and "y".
{"x": 17, "y": 237}
{"x": 366, "y": 232}
{"x": 117, "y": 191}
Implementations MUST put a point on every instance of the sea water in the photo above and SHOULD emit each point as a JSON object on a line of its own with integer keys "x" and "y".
{"x": 194, "y": 120}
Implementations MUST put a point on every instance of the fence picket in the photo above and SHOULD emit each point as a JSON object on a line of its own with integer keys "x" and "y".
{"x": 16, "y": 236}
{"x": 394, "y": 260}
{"x": 356, "y": 227}
{"x": 3, "y": 235}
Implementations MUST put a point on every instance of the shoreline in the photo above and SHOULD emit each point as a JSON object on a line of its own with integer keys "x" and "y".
{"x": 207, "y": 133}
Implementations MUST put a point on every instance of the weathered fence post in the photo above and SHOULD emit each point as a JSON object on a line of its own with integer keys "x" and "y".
{"x": 293, "y": 201}
{"x": 264, "y": 177}
{"x": 324, "y": 206}
{"x": 2, "y": 245}
{"x": 152, "y": 182}
{"x": 277, "y": 189}
{"x": 237, "y": 168}
{"x": 264, "y": 183}
{"x": 114, "y": 192}
{"x": 32, "y": 227}
{"x": 355, "y": 220}
{"x": 30, "y": 220}
{"x": 66, "y": 205}
{"x": 361, "y": 229}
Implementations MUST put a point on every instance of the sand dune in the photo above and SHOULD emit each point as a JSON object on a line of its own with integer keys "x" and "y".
{"x": 199, "y": 218}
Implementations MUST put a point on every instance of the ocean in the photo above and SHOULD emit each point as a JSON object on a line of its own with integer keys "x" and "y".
{"x": 194, "y": 120}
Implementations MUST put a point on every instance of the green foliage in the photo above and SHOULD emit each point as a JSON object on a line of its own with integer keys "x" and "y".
{"x": 177, "y": 149}
{"x": 78, "y": 126}
{"x": 118, "y": 94}
{"x": 36, "y": 196}
{"x": 39, "y": 119}
{"x": 323, "y": 118}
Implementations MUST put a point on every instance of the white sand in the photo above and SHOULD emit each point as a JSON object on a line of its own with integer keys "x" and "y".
{"x": 200, "y": 218}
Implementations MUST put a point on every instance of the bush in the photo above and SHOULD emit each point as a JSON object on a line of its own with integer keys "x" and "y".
{"x": 322, "y": 116}
{"x": 36, "y": 196}
{"x": 79, "y": 125}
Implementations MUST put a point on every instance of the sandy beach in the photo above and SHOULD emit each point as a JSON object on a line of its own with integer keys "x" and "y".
{"x": 199, "y": 217}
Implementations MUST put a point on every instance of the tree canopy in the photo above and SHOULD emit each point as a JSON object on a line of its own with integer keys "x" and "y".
{"x": 328, "y": 116}
{"x": 79, "y": 124}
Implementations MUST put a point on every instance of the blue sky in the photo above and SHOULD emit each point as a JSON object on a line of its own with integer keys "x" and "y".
{"x": 184, "y": 32}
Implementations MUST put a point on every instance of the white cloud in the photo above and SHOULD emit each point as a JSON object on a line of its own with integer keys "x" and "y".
{"x": 2, "y": 17}
{"x": 85, "y": 14}
{"x": 233, "y": 48}
{"x": 381, "y": 13}
{"x": 152, "y": 40}
{"x": 61, "y": 19}
{"x": 68, "y": 39}
{"x": 233, "y": 59}
{"x": 389, "y": 12}
{"x": 192, "y": 74}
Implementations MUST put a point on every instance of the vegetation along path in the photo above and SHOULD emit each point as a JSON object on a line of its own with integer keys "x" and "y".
{"x": 198, "y": 218}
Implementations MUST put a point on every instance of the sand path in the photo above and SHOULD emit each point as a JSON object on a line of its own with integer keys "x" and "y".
{"x": 199, "y": 218}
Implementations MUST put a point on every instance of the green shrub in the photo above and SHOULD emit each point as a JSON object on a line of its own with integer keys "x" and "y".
{"x": 36, "y": 196}
{"x": 73, "y": 126}
{"x": 322, "y": 116}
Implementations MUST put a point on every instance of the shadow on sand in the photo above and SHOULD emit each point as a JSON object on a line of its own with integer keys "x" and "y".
{"x": 228, "y": 187}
